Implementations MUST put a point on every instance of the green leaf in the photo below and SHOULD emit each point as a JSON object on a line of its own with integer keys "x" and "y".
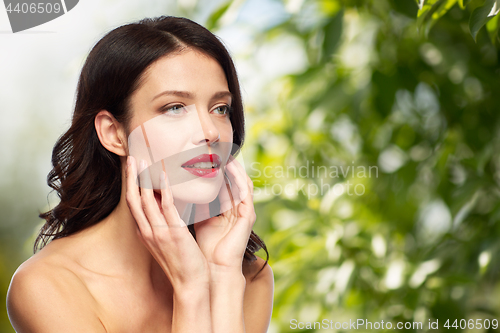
{"x": 333, "y": 32}
{"x": 443, "y": 9}
{"x": 493, "y": 26}
{"x": 424, "y": 8}
{"x": 431, "y": 11}
{"x": 481, "y": 15}
{"x": 213, "y": 20}
{"x": 463, "y": 3}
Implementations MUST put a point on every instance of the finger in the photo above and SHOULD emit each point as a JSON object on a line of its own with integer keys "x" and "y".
{"x": 250, "y": 185}
{"x": 238, "y": 189}
{"x": 245, "y": 209}
{"x": 239, "y": 178}
{"x": 242, "y": 226}
{"x": 233, "y": 192}
{"x": 235, "y": 188}
{"x": 134, "y": 199}
{"x": 151, "y": 210}
{"x": 170, "y": 212}
{"x": 226, "y": 198}
{"x": 239, "y": 167}
{"x": 247, "y": 178}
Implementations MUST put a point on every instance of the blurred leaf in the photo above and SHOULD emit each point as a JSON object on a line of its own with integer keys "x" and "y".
{"x": 481, "y": 15}
{"x": 425, "y": 7}
{"x": 408, "y": 8}
{"x": 493, "y": 27}
{"x": 431, "y": 12}
{"x": 330, "y": 7}
{"x": 443, "y": 9}
{"x": 333, "y": 32}
{"x": 213, "y": 20}
{"x": 463, "y": 3}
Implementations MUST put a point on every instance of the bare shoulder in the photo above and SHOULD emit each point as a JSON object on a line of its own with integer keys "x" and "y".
{"x": 258, "y": 301}
{"x": 252, "y": 270}
{"x": 46, "y": 296}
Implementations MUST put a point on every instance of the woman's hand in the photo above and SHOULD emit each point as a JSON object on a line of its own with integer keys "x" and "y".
{"x": 163, "y": 232}
{"x": 173, "y": 247}
{"x": 223, "y": 239}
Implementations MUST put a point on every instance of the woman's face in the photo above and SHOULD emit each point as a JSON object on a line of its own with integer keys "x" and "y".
{"x": 180, "y": 124}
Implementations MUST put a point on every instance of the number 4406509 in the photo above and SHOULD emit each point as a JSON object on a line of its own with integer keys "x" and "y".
{"x": 39, "y": 7}
{"x": 471, "y": 323}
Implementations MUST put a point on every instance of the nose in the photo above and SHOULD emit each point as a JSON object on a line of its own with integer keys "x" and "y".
{"x": 209, "y": 132}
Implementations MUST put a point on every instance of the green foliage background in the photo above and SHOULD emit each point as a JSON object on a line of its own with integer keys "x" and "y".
{"x": 410, "y": 88}
{"x": 387, "y": 80}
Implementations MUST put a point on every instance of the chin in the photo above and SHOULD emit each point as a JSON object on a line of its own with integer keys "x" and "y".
{"x": 198, "y": 191}
{"x": 198, "y": 195}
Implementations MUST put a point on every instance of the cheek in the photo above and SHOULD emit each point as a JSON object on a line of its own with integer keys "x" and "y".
{"x": 226, "y": 131}
{"x": 157, "y": 139}
{"x": 168, "y": 138}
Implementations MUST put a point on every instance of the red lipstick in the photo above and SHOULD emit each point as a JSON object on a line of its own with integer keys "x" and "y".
{"x": 204, "y": 165}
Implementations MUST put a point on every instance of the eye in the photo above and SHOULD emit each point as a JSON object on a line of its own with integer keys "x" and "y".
{"x": 175, "y": 109}
{"x": 223, "y": 110}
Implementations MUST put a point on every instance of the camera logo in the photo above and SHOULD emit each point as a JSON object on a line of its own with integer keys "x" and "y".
{"x": 25, "y": 14}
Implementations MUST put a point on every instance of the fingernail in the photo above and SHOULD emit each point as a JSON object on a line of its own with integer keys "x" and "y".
{"x": 143, "y": 165}
{"x": 163, "y": 184}
{"x": 129, "y": 161}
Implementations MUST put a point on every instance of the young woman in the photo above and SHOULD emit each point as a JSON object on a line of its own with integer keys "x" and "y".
{"x": 120, "y": 259}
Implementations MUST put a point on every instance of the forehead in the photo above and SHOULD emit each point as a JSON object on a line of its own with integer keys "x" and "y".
{"x": 189, "y": 70}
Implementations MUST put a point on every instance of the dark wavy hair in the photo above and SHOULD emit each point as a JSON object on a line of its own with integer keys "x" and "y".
{"x": 84, "y": 172}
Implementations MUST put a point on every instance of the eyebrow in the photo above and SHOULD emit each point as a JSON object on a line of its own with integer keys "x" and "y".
{"x": 188, "y": 95}
{"x": 222, "y": 94}
{"x": 177, "y": 93}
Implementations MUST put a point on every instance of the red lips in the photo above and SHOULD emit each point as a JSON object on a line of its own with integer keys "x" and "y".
{"x": 214, "y": 159}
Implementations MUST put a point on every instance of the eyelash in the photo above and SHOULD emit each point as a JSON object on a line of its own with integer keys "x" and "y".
{"x": 167, "y": 109}
{"x": 228, "y": 109}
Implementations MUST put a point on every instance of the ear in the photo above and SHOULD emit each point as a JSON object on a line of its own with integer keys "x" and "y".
{"x": 111, "y": 133}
